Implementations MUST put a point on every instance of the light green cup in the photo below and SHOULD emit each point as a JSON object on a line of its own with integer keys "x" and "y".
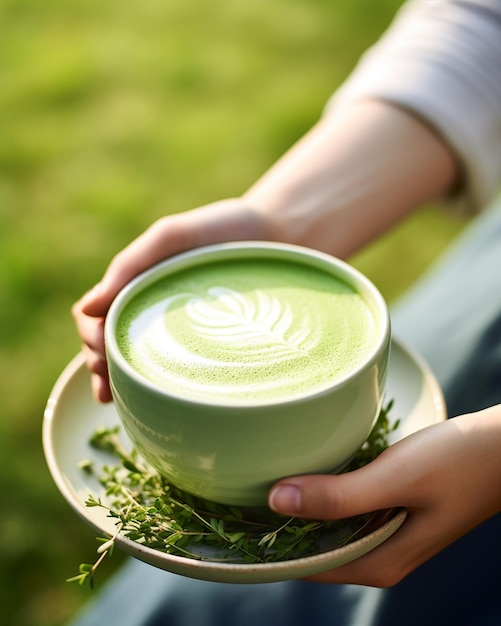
{"x": 238, "y": 364}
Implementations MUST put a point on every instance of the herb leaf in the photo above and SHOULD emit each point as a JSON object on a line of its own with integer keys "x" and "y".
{"x": 151, "y": 511}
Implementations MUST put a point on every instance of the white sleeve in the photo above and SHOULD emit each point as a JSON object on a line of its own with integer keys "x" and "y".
{"x": 441, "y": 59}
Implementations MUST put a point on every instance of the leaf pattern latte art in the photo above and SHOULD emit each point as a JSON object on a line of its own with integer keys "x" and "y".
{"x": 262, "y": 325}
{"x": 251, "y": 333}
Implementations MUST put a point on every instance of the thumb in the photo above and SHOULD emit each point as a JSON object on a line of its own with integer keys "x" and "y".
{"x": 97, "y": 301}
{"x": 331, "y": 497}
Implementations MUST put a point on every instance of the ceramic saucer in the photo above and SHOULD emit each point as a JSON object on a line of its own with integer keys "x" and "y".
{"x": 71, "y": 417}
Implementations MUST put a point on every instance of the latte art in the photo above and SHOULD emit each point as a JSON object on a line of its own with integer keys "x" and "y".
{"x": 263, "y": 325}
{"x": 246, "y": 331}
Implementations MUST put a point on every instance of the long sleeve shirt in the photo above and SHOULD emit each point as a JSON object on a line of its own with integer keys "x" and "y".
{"x": 441, "y": 60}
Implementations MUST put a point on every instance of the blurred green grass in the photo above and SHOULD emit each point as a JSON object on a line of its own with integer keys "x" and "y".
{"x": 113, "y": 114}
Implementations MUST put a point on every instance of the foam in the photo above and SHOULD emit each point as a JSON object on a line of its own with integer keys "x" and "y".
{"x": 246, "y": 330}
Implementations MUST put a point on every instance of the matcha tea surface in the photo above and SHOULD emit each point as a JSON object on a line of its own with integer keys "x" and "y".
{"x": 246, "y": 331}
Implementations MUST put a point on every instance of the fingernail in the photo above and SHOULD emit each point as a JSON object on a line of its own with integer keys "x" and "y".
{"x": 285, "y": 499}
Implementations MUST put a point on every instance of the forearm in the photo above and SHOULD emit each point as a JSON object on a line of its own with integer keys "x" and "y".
{"x": 368, "y": 163}
{"x": 352, "y": 176}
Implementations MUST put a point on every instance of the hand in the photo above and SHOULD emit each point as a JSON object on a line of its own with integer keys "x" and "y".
{"x": 227, "y": 220}
{"x": 447, "y": 476}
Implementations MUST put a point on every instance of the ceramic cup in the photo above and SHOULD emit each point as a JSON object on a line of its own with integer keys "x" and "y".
{"x": 235, "y": 365}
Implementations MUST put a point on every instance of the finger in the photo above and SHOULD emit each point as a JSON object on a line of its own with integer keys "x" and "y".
{"x": 101, "y": 388}
{"x": 404, "y": 475}
{"x": 90, "y": 329}
{"x": 335, "y": 497}
{"x": 96, "y": 363}
{"x": 90, "y": 303}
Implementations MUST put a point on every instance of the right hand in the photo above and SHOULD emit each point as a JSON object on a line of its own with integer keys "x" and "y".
{"x": 228, "y": 220}
{"x": 447, "y": 476}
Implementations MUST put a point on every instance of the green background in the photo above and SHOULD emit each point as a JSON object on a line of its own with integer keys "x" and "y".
{"x": 114, "y": 113}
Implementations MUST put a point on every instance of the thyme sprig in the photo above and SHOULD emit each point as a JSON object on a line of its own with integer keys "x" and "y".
{"x": 154, "y": 513}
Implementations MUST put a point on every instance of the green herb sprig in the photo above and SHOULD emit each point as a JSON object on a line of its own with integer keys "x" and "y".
{"x": 154, "y": 513}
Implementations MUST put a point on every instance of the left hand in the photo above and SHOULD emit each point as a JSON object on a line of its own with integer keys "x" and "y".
{"x": 447, "y": 476}
{"x": 227, "y": 220}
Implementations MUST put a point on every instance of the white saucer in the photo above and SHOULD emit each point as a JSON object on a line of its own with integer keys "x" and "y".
{"x": 72, "y": 416}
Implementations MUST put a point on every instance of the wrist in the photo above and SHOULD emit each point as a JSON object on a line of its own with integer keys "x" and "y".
{"x": 482, "y": 432}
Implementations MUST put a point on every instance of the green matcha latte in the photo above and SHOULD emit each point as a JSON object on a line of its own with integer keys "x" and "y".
{"x": 247, "y": 331}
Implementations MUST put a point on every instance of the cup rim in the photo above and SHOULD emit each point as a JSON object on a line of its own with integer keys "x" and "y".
{"x": 236, "y": 250}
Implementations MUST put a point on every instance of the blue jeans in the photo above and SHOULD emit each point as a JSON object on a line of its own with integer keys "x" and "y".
{"x": 453, "y": 317}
